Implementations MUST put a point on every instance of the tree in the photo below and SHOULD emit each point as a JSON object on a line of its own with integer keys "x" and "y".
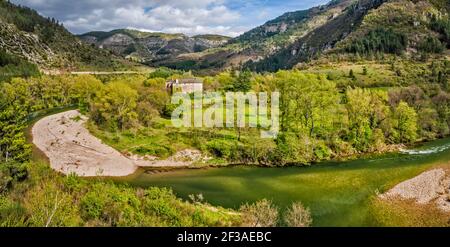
{"x": 298, "y": 216}
{"x": 366, "y": 112}
{"x": 406, "y": 123}
{"x": 260, "y": 214}
{"x": 351, "y": 74}
{"x": 15, "y": 104}
{"x": 84, "y": 89}
{"x": 365, "y": 72}
{"x": 379, "y": 40}
{"x": 115, "y": 106}
{"x": 431, "y": 45}
{"x": 308, "y": 102}
{"x": 243, "y": 82}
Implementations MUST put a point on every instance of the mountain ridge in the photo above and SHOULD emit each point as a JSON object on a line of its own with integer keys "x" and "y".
{"x": 305, "y": 35}
{"x": 149, "y": 47}
{"x": 45, "y": 42}
{"x": 340, "y": 28}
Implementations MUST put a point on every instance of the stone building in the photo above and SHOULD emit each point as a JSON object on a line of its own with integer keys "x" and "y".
{"x": 184, "y": 85}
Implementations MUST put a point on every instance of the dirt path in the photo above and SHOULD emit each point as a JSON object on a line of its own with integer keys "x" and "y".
{"x": 72, "y": 149}
{"x": 429, "y": 187}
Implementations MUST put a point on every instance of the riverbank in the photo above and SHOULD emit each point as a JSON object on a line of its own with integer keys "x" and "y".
{"x": 73, "y": 146}
{"x": 70, "y": 148}
{"x": 338, "y": 193}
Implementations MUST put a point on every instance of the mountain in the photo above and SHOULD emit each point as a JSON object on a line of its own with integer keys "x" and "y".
{"x": 27, "y": 36}
{"x": 264, "y": 40}
{"x": 341, "y": 27}
{"x": 148, "y": 47}
{"x": 370, "y": 27}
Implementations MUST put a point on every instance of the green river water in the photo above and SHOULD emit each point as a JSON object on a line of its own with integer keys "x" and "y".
{"x": 337, "y": 193}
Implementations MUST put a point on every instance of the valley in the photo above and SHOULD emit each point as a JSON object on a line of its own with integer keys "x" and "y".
{"x": 87, "y": 136}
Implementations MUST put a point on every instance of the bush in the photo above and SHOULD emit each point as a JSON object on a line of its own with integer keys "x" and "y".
{"x": 168, "y": 109}
{"x": 49, "y": 205}
{"x": 298, "y": 216}
{"x": 322, "y": 151}
{"x": 220, "y": 148}
{"x": 292, "y": 148}
{"x": 443, "y": 27}
{"x": 162, "y": 72}
{"x": 11, "y": 213}
{"x": 260, "y": 214}
{"x": 160, "y": 202}
{"x": 111, "y": 205}
{"x": 10, "y": 172}
{"x": 154, "y": 149}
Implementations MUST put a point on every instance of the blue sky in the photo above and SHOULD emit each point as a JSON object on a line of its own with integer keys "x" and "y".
{"x": 226, "y": 17}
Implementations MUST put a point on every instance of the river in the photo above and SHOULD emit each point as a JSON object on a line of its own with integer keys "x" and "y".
{"x": 337, "y": 193}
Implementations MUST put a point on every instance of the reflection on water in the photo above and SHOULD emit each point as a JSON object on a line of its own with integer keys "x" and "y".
{"x": 337, "y": 193}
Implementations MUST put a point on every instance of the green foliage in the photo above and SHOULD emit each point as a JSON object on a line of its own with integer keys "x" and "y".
{"x": 113, "y": 204}
{"x": 307, "y": 102}
{"x": 220, "y": 148}
{"x": 431, "y": 45}
{"x": 12, "y": 66}
{"x": 115, "y": 106}
{"x": 443, "y": 27}
{"x": 367, "y": 112}
{"x": 11, "y": 213}
{"x": 48, "y": 199}
{"x": 24, "y": 18}
{"x": 379, "y": 40}
{"x": 163, "y": 72}
{"x": 54, "y": 47}
{"x": 242, "y": 83}
{"x": 15, "y": 104}
{"x": 405, "y": 124}
{"x": 50, "y": 206}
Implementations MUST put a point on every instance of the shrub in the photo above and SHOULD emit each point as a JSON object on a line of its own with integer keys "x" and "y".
{"x": 11, "y": 213}
{"x": 220, "y": 148}
{"x": 161, "y": 203}
{"x": 322, "y": 151}
{"x": 260, "y": 214}
{"x": 48, "y": 205}
{"x": 298, "y": 216}
{"x": 111, "y": 205}
{"x": 162, "y": 72}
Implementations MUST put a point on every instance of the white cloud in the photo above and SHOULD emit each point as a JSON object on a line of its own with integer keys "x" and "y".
{"x": 227, "y": 17}
{"x": 190, "y": 16}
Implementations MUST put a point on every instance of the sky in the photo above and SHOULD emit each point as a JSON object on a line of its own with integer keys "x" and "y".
{"x": 191, "y": 17}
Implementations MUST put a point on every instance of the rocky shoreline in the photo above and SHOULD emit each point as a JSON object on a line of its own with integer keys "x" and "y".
{"x": 430, "y": 187}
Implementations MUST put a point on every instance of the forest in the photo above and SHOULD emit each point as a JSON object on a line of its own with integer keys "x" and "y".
{"x": 324, "y": 116}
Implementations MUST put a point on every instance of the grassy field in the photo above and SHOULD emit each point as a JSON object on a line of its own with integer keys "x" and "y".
{"x": 162, "y": 139}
